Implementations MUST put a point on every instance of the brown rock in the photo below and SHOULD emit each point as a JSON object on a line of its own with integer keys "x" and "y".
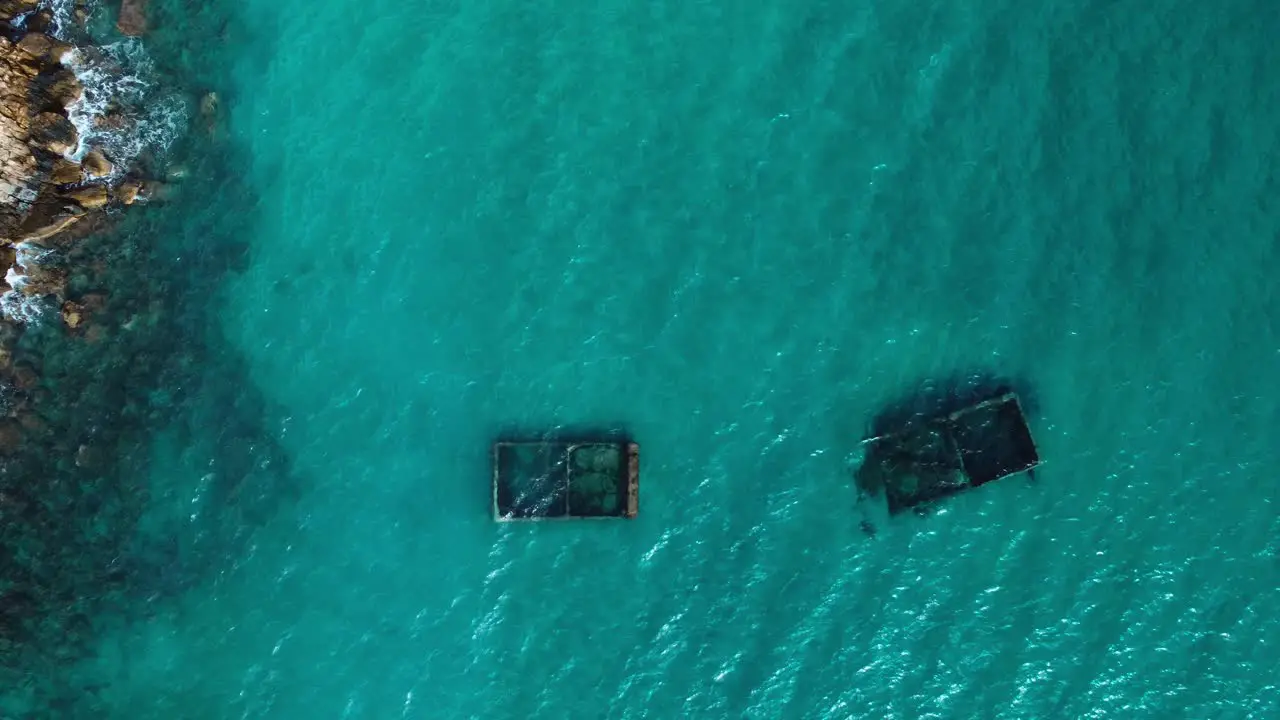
{"x": 10, "y": 436}
{"x": 96, "y": 165}
{"x": 46, "y": 280}
{"x": 54, "y": 132}
{"x": 72, "y": 314}
{"x": 112, "y": 121}
{"x": 41, "y": 20}
{"x": 127, "y": 193}
{"x": 19, "y": 170}
{"x": 36, "y": 134}
{"x": 35, "y": 44}
{"x": 89, "y": 197}
{"x": 25, "y": 377}
{"x": 65, "y": 172}
{"x": 64, "y": 88}
{"x": 9, "y": 8}
{"x": 55, "y": 226}
{"x": 133, "y": 18}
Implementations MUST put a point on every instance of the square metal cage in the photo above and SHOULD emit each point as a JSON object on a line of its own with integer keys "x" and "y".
{"x": 559, "y": 480}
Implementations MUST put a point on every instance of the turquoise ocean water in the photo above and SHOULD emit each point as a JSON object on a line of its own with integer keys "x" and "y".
{"x": 736, "y": 229}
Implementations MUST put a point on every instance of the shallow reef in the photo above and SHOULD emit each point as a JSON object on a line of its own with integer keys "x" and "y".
{"x": 109, "y": 152}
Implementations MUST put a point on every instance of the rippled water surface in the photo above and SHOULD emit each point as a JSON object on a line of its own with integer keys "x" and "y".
{"x": 735, "y": 229}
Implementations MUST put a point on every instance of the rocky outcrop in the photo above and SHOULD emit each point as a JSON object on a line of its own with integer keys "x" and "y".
{"x": 56, "y": 187}
{"x": 36, "y": 134}
{"x": 51, "y": 185}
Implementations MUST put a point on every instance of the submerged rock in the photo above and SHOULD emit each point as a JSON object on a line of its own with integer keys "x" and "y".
{"x": 127, "y": 193}
{"x": 133, "y": 18}
{"x": 10, "y": 436}
{"x": 211, "y": 114}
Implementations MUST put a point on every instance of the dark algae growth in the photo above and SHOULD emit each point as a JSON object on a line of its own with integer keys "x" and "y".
{"x": 109, "y": 338}
{"x": 946, "y": 439}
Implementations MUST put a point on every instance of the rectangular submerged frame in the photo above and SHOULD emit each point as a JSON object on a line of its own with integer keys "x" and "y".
{"x": 561, "y": 480}
{"x": 934, "y": 458}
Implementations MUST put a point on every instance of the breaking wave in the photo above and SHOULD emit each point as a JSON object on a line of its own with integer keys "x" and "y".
{"x": 63, "y": 12}
{"x": 15, "y": 304}
{"x": 122, "y": 110}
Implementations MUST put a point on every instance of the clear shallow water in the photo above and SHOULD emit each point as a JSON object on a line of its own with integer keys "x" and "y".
{"x": 736, "y": 230}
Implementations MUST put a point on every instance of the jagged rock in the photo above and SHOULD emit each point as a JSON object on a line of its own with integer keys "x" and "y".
{"x": 46, "y": 280}
{"x": 65, "y": 172}
{"x": 9, "y": 8}
{"x": 18, "y": 167}
{"x": 96, "y": 165}
{"x": 55, "y": 226}
{"x": 133, "y": 18}
{"x": 127, "y": 193}
{"x": 54, "y": 132}
{"x": 90, "y": 197}
{"x": 35, "y": 133}
{"x": 72, "y": 314}
{"x": 63, "y": 88}
{"x": 43, "y": 197}
{"x": 36, "y": 44}
{"x": 116, "y": 120}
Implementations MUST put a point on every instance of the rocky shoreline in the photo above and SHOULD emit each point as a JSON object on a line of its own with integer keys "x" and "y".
{"x": 103, "y": 339}
{"x": 54, "y": 187}
{"x": 57, "y": 186}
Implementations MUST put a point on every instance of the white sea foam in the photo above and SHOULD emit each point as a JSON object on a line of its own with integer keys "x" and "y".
{"x": 65, "y": 27}
{"x": 15, "y": 304}
{"x": 119, "y": 84}
{"x": 15, "y": 279}
{"x": 63, "y": 16}
{"x": 18, "y": 307}
{"x": 118, "y": 76}
{"x": 30, "y": 254}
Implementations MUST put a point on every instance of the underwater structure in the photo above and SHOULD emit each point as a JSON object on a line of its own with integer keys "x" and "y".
{"x": 923, "y": 458}
{"x": 565, "y": 479}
